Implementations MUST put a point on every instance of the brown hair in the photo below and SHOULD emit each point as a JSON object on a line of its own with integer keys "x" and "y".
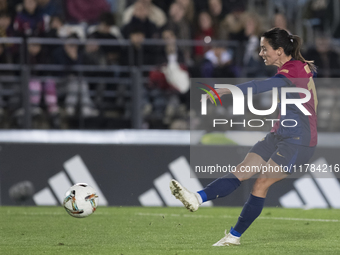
{"x": 291, "y": 44}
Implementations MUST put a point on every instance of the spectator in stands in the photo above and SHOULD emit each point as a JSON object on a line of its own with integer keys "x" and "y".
{"x": 149, "y": 10}
{"x": 172, "y": 64}
{"x": 95, "y": 56}
{"x": 216, "y": 9}
{"x": 291, "y": 9}
{"x": 189, "y": 10}
{"x": 29, "y": 22}
{"x": 70, "y": 55}
{"x": 217, "y": 63}
{"x": 170, "y": 49}
{"x": 317, "y": 12}
{"x": 56, "y": 28}
{"x": 280, "y": 21}
{"x": 181, "y": 27}
{"x": 252, "y": 63}
{"x": 6, "y": 29}
{"x": 205, "y": 32}
{"x": 13, "y": 7}
{"x": 140, "y": 19}
{"x": 177, "y": 22}
{"x": 50, "y": 7}
{"x": 233, "y": 24}
{"x": 217, "y": 13}
{"x": 37, "y": 55}
{"x": 5, "y": 58}
{"x": 86, "y": 11}
{"x": 103, "y": 31}
{"x": 7, "y": 54}
{"x": 169, "y": 85}
{"x": 3, "y": 6}
{"x": 142, "y": 54}
{"x": 325, "y": 58}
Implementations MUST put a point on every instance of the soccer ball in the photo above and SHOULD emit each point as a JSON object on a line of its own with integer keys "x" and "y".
{"x": 80, "y": 200}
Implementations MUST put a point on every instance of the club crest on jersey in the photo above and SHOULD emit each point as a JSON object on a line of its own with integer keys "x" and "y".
{"x": 284, "y": 71}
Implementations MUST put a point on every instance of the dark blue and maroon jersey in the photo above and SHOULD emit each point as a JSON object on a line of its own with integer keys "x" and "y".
{"x": 293, "y": 73}
{"x": 305, "y": 133}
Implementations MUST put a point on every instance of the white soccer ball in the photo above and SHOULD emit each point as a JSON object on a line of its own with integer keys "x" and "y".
{"x": 80, "y": 200}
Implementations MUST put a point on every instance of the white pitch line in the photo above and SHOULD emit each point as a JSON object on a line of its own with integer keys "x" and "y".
{"x": 47, "y": 213}
{"x": 228, "y": 216}
{"x": 298, "y": 219}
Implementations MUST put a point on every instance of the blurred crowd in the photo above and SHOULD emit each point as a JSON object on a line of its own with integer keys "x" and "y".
{"x": 222, "y": 42}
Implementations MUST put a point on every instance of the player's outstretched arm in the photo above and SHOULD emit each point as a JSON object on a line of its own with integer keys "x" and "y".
{"x": 261, "y": 86}
{"x": 258, "y": 86}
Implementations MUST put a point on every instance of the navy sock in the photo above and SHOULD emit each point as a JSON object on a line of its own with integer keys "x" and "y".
{"x": 221, "y": 187}
{"x": 251, "y": 210}
{"x": 234, "y": 232}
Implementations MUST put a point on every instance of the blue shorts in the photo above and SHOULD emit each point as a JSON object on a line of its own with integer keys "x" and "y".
{"x": 282, "y": 152}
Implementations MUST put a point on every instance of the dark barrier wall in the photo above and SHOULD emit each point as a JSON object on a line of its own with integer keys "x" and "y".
{"x": 134, "y": 175}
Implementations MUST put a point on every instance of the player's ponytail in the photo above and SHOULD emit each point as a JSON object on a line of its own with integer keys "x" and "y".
{"x": 296, "y": 53}
{"x": 291, "y": 44}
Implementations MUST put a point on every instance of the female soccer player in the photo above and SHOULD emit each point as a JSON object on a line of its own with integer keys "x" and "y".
{"x": 282, "y": 147}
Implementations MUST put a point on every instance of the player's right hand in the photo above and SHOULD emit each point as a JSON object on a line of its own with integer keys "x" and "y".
{"x": 220, "y": 92}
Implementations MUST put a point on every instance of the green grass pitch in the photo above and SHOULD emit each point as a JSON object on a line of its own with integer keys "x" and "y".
{"x": 138, "y": 230}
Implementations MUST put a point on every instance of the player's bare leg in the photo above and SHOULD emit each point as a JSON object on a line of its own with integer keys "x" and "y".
{"x": 266, "y": 179}
{"x": 251, "y": 160}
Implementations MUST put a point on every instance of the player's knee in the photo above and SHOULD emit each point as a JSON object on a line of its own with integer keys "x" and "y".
{"x": 262, "y": 184}
{"x": 241, "y": 174}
